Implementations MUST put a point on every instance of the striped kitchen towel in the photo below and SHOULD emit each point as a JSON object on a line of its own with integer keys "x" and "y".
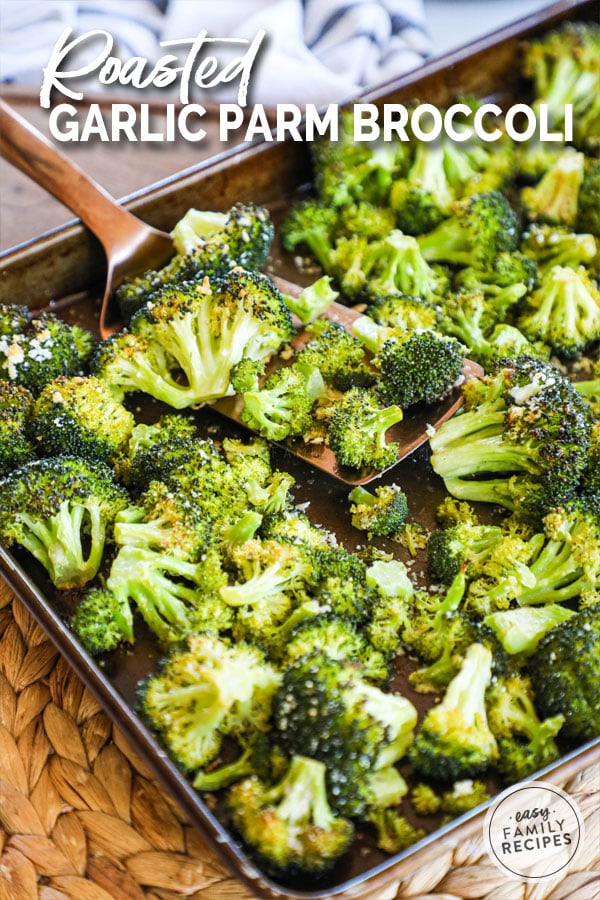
{"x": 314, "y": 51}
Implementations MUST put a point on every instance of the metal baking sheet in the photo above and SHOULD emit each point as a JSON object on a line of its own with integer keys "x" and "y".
{"x": 68, "y": 260}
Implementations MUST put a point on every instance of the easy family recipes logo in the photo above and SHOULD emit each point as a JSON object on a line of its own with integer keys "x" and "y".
{"x": 196, "y": 65}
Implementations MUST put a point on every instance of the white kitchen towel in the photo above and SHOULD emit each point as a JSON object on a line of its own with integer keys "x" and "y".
{"x": 314, "y": 51}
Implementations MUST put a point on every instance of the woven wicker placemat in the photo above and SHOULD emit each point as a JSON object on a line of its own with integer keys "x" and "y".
{"x": 82, "y": 817}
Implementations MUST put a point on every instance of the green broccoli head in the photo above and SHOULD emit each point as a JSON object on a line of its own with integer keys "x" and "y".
{"x": 564, "y": 674}
{"x": 422, "y": 199}
{"x": 13, "y": 319}
{"x": 520, "y": 630}
{"x": 395, "y": 265}
{"x": 61, "y": 509}
{"x": 408, "y": 313}
{"x": 394, "y": 833}
{"x": 101, "y": 622}
{"x": 339, "y": 357}
{"x": 312, "y": 301}
{"x": 465, "y": 544}
{"x": 290, "y": 825}
{"x": 357, "y": 431}
{"x": 454, "y": 740}
{"x": 368, "y": 219}
{"x": 16, "y": 447}
{"x": 42, "y": 349}
{"x": 588, "y": 217}
{"x": 245, "y": 233}
{"x": 282, "y": 406}
{"x": 78, "y": 416}
{"x": 554, "y": 198}
{"x": 204, "y": 692}
{"x": 381, "y": 513}
{"x": 557, "y": 245}
{"x": 310, "y": 224}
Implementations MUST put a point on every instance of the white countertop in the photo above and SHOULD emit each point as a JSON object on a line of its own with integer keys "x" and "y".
{"x": 453, "y": 23}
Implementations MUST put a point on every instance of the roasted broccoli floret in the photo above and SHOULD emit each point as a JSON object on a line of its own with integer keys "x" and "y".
{"x": 268, "y": 569}
{"x": 325, "y": 708}
{"x": 523, "y": 422}
{"x": 421, "y": 366}
{"x": 184, "y": 344}
{"x": 310, "y": 224}
{"x": 564, "y": 311}
{"x": 368, "y": 219}
{"x": 79, "y": 416}
{"x": 13, "y": 319}
{"x": 588, "y": 217}
{"x": 395, "y": 265}
{"x": 258, "y": 757}
{"x": 206, "y": 691}
{"x": 454, "y": 740}
{"x": 390, "y": 609}
{"x": 525, "y": 743}
{"x": 394, "y": 831}
{"x": 290, "y": 825}
{"x": 381, "y": 513}
{"x": 402, "y": 311}
{"x": 554, "y": 198}
{"x": 41, "y": 350}
{"x": 338, "y": 639}
{"x": 463, "y": 544}
{"x": 520, "y": 630}
{"x": 339, "y": 357}
{"x": 556, "y": 245}
{"x": 479, "y": 228}
{"x": 313, "y": 301}
{"x": 563, "y": 65}
{"x": 564, "y": 674}
{"x": 100, "y": 622}
{"x": 61, "y": 510}
{"x": 282, "y": 406}
{"x": 246, "y": 231}
{"x": 357, "y": 430}
{"x": 423, "y": 197}
{"x": 16, "y": 405}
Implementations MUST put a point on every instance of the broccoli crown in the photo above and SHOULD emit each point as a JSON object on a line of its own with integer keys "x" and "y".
{"x": 357, "y": 430}
{"x": 564, "y": 674}
{"x": 381, "y": 513}
{"x": 200, "y": 332}
{"x": 310, "y": 224}
{"x": 206, "y": 691}
{"x": 563, "y": 65}
{"x": 60, "y": 509}
{"x": 564, "y": 311}
{"x": 525, "y": 743}
{"x": 524, "y": 420}
{"x": 326, "y": 709}
{"x": 259, "y": 757}
{"x": 341, "y": 583}
{"x": 394, "y": 833}
{"x": 588, "y": 217}
{"x": 423, "y": 198}
{"x": 408, "y": 313}
{"x": 295, "y": 526}
{"x": 554, "y": 198}
{"x": 41, "y": 350}
{"x": 520, "y": 630}
{"x": 418, "y": 367}
{"x": 366, "y": 218}
{"x": 338, "y": 639}
{"x": 396, "y": 265}
{"x": 480, "y": 227}
{"x": 16, "y": 405}
{"x": 13, "y": 319}
{"x": 339, "y": 357}
{"x": 100, "y": 622}
{"x": 463, "y": 544}
{"x": 455, "y": 740}
{"x": 268, "y": 568}
{"x": 245, "y": 233}
{"x": 290, "y": 825}
{"x": 281, "y": 407}
{"x": 79, "y": 416}
{"x": 557, "y": 245}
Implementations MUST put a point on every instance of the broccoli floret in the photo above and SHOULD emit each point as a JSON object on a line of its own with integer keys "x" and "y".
{"x": 291, "y": 826}
{"x": 245, "y": 375}
{"x": 525, "y": 743}
{"x": 365, "y": 218}
{"x": 563, "y": 65}
{"x": 282, "y": 406}
{"x": 79, "y": 416}
{"x": 479, "y": 228}
{"x": 16, "y": 405}
{"x": 564, "y": 311}
{"x": 464, "y": 796}
{"x": 259, "y": 757}
{"x": 339, "y": 640}
{"x": 325, "y": 708}
{"x": 269, "y": 569}
{"x": 520, "y": 630}
{"x": 310, "y": 224}
{"x": 455, "y": 740}
{"x": 61, "y": 510}
{"x": 556, "y": 245}
{"x": 588, "y": 217}
{"x": 43, "y": 349}
{"x": 564, "y": 674}
{"x": 13, "y": 319}
{"x": 396, "y": 265}
{"x": 466, "y": 543}
{"x": 206, "y": 691}
{"x": 246, "y": 231}
{"x": 390, "y": 610}
{"x": 163, "y": 450}
{"x": 394, "y": 832}
{"x": 313, "y": 301}
{"x": 524, "y": 421}
{"x": 295, "y": 526}
{"x": 184, "y": 343}
{"x": 429, "y": 616}
{"x": 340, "y": 583}
{"x": 339, "y": 357}
{"x": 502, "y": 281}
{"x": 415, "y": 367}
{"x": 554, "y": 198}
{"x": 357, "y": 430}
{"x": 424, "y": 197}
{"x": 100, "y": 622}
{"x": 402, "y": 311}
{"x": 381, "y": 513}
